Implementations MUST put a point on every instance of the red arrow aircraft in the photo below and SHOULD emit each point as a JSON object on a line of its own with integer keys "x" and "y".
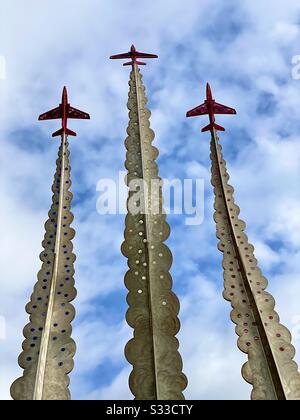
{"x": 133, "y": 54}
{"x": 211, "y": 107}
{"x": 64, "y": 111}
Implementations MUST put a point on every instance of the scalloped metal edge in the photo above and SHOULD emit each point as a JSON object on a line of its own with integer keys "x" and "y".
{"x": 153, "y": 307}
{"x": 46, "y": 378}
{"x": 270, "y": 368}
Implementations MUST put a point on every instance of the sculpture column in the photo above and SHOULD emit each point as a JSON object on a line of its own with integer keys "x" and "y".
{"x": 153, "y": 307}
{"x": 270, "y": 368}
{"x": 48, "y": 349}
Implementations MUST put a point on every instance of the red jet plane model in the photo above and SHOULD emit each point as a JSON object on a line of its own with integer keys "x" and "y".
{"x": 133, "y": 54}
{"x": 211, "y": 107}
{"x": 64, "y": 111}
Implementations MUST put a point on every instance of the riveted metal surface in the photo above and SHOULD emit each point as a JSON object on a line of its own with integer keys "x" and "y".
{"x": 270, "y": 367}
{"x": 48, "y": 349}
{"x": 153, "y": 307}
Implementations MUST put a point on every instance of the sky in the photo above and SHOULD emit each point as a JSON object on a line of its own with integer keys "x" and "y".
{"x": 245, "y": 50}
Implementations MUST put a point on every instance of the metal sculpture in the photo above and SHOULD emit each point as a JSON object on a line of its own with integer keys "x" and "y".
{"x": 153, "y": 307}
{"x": 48, "y": 349}
{"x": 270, "y": 368}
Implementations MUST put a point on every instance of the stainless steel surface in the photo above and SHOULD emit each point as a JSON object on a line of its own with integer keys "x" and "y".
{"x": 48, "y": 349}
{"x": 270, "y": 367}
{"x": 153, "y": 307}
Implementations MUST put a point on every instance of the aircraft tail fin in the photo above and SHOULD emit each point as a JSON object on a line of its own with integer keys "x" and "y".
{"x": 60, "y": 132}
{"x": 139, "y": 63}
{"x": 211, "y": 126}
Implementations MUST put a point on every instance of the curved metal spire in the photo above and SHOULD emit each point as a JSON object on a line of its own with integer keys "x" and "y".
{"x": 153, "y": 307}
{"x": 270, "y": 367}
{"x": 48, "y": 349}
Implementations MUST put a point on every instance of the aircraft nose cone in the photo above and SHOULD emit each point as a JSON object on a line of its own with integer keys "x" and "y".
{"x": 208, "y": 91}
{"x": 65, "y": 94}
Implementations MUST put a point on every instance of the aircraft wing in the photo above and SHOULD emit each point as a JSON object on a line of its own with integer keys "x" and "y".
{"x": 199, "y": 110}
{"x": 52, "y": 115}
{"x": 77, "y": 114}
{"x": 222, "y": 109}
{"x": 118, "y": 56}
{"x": 145, "y": 55}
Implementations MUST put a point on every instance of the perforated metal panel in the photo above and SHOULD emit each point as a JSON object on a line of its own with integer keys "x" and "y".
{"x": 48, "y": 349}
{"x": 153, "y": 307}
{"x": 270, "y": 367}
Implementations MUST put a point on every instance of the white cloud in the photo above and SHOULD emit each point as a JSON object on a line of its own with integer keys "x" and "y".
{"x": 247, "y": 56}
